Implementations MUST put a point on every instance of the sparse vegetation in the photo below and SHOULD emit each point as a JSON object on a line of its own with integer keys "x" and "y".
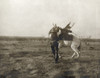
{"x": 32, "y": 58}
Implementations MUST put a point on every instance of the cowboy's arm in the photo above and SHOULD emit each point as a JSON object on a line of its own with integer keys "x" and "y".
{"x": 49, "y": 34}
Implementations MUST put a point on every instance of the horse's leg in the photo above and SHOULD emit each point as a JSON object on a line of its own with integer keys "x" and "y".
{"x": 76, "y": 51}
{"x": 73, "y": 55}
{"x": 79, "y": 47}
{"x": 59, "y": 47}
{"x": 60, "y": 43}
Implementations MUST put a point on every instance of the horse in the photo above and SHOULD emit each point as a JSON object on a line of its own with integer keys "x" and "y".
{"x": 59, "y": 35}
{"x": 66, "y": 37}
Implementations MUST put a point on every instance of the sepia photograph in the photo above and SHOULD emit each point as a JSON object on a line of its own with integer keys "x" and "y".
{"x": 49, "y": 38}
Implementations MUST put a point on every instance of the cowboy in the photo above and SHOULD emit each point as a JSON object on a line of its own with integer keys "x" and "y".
{"x": 54, "y": 41}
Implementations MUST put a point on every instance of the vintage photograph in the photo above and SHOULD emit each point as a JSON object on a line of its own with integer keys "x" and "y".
{"x": 49, "y": 38}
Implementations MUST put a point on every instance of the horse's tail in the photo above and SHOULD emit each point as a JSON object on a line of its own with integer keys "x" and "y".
{"x": 79, "y": 47}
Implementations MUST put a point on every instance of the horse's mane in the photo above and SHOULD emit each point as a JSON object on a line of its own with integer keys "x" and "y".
{"x": 64, "y": 30}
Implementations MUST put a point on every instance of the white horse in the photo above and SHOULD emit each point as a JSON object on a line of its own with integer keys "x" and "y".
{"x": 75, "y": 44}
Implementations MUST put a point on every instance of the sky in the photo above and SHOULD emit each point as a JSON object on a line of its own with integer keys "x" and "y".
{"x": 36, "y": 17}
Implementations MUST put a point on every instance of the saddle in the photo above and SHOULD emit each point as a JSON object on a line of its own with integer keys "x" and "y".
{"x": 68, "y": 37}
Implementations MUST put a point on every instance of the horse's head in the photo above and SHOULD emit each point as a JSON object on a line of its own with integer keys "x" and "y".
{"x": 68, "y": 26}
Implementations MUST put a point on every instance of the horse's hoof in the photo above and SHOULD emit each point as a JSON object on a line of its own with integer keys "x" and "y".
{"x": 60, "y": 57}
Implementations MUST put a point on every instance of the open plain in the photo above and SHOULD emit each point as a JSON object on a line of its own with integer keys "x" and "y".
{"x": 32, "y": 58}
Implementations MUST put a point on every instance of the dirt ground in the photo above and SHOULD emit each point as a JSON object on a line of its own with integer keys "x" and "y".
{"x": 33, "y": 59}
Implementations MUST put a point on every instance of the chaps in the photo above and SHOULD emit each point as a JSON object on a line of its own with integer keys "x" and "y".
{"x": 54, "y": 48}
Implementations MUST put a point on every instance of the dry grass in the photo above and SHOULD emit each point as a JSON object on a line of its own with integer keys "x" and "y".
{"x": 27, "y": 58}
